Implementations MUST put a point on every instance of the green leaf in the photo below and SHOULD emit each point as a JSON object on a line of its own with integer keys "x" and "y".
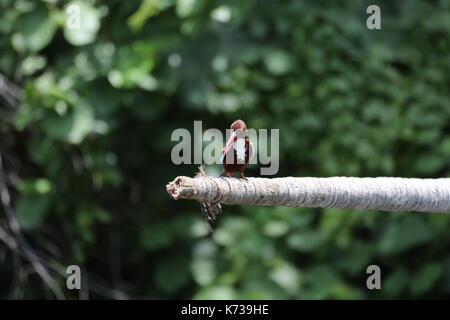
{"x": 278, "y": 62}
{"x": 35, "y": 186}
{"x": 286, "y": 276}
{"x": 429, "y": 164}
{"x": 31, "y": 211}
{"x": 32, "y": 64}
{"x": 133, "y": 65}
{"x": 305, "y": 241}
{"x": 396, "y": 282}
{"x": 146, "y": 10}
{"x": 216, "y": 293}
{"x": 404, "y": 235}
{"x": 36, "y": 29}
{"x": 186, "y": 8}
{"x": 276, "y": 228}
{"x": 172, "y": 274}
{"x": 425, "y": 278}
{"x": 203, "y": 271}
{"x": 321, "y": 280}
{"x": 73, "y": 127}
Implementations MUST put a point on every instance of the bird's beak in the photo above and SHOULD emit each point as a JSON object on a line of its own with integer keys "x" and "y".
{"x": 229, "y": 143}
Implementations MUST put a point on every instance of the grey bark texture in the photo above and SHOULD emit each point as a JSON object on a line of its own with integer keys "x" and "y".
{"x": 383, "y": 193}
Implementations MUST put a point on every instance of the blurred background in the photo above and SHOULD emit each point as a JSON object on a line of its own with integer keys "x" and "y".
{"x": 87, "y": 115}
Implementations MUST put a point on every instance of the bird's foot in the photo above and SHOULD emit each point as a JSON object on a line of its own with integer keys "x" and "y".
{"x": 241, "y": 176}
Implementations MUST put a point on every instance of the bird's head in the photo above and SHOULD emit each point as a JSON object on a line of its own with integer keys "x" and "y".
{"x": 238, "y": 131}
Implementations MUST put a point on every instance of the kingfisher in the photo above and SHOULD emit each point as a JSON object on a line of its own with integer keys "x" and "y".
{"x": 235, "y": 157}
{"x": 238, "y": 151}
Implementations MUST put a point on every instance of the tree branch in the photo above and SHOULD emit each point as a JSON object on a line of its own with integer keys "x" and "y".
{"x": 388, "y": 194}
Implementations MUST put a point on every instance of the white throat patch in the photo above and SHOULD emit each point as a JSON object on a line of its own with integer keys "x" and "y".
{"x": 240, "y": 150}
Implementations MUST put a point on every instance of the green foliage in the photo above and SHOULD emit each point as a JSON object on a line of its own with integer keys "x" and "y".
{"x": 92, "y": 140}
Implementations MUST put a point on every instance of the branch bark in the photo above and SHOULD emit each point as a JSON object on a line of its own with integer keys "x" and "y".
{"x": 387, "y": 194}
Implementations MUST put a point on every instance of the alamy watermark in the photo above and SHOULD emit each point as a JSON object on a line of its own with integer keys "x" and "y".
{"x": 374, "y": 20}
{"x": 374, "y": 280}
{"x": 74, "y": 278}
{"x": 190, "y": 148}
{"x": 73, "y": 21}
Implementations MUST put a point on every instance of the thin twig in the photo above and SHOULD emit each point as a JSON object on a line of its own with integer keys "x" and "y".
{"x": 20, "y": 240}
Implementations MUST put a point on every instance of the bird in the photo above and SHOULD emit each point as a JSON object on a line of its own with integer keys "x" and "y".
{"x": 238, "y": 151}
{"x": 235, "y": 157}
